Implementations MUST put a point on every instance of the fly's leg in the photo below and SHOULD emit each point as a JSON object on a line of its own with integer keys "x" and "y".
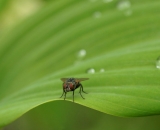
{"x": 73, "y": 96}
{"x": 81, "y": 90}
{"x": 62, "y": 94}
{"x": 65, "y": 95}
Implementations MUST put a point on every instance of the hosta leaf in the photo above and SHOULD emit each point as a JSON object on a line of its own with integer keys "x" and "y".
{"x": 120, "y": 37}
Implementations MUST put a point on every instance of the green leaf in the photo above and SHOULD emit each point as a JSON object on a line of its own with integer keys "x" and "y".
{"x": 58, "y": 115}
{"x": 43, "y": 49}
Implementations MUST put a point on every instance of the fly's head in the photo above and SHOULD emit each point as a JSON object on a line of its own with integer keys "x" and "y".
{"x": 69, "y": 85}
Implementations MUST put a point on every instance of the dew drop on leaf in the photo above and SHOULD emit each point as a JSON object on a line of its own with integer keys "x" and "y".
{"x": 102, "y": 70}
{"x": 82, "y": 53}
{"x": 97, "y": 14}
{"x": 123, "y": 5}
{"x": 128, "y": 13}
{"x": 90, "y": 71}
{"x": 158, "y": 63}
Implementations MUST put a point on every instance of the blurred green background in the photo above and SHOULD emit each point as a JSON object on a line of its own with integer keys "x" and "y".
{"x": 64, "y": 115}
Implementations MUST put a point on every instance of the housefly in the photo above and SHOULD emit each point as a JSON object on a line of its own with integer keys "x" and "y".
{"x": 70, "y": 84}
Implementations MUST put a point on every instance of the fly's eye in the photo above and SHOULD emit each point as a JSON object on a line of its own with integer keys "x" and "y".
{"x": 70, "y": 85}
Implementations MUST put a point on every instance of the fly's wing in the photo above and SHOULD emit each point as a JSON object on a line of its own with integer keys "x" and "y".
{"x": 64, "y": 79}
{"x": 80, "y": 79}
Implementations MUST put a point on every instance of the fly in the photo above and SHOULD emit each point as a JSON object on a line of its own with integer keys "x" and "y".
{"x": 70, "y": 84}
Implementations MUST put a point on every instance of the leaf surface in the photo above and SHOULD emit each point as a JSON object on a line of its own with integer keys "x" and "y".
{"x": 47, "y": 46}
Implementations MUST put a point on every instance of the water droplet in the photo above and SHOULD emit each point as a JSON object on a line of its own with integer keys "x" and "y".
{"x": 81, "y": 53}
{"x": 102, "y": 70}
{"x": 97, "y": 14}
{"x": 125, "y": 4}
{"x": 158, "y": 63}
{"x": 107, "y": 1}
{"x": 91, "y": 71}
{"x": 128, "y": 13}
